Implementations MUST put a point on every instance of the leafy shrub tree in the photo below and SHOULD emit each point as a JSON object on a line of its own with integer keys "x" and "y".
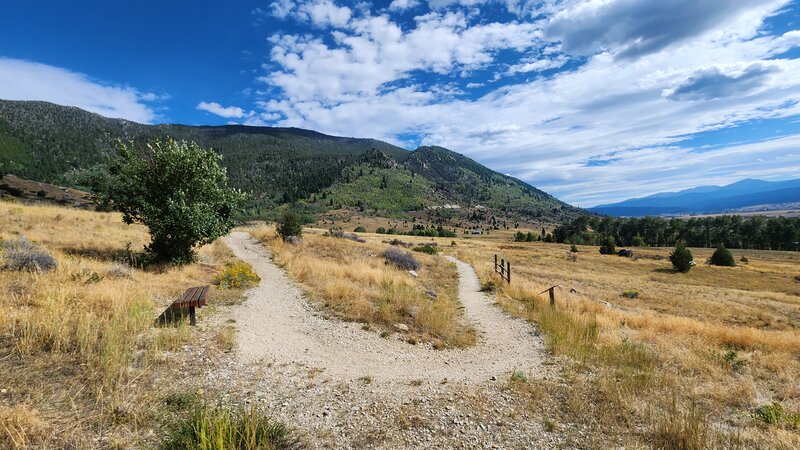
{"x": 520, "y": 236}
{"x": 530, "y": 237}
{"x": 574, "y": 248}
{"x": 290, "y": 225}
{"x": 176, "y": 188}
{"x": 360, "y": 230}
{"x": 381, "y": 230}
{"x": 722, "y": 257}
{"x": 637, "y": 241}
{"x": 607, "y": 245}
{"x": 681, "y": 257}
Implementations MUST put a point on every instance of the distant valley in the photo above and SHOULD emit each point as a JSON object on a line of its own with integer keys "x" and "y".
{"x": 745, "y": 197}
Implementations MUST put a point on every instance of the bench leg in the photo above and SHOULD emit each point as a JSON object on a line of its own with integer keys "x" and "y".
{"x": 192, "y": 319}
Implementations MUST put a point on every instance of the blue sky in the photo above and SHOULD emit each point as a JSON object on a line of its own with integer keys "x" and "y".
{"x": 591, "y": 100}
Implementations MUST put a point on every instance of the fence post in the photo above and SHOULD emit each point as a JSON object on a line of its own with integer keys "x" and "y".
{"x": 495, "y": 262}
{"x": 508, "y": 275}
{"x": 552, "y": 296}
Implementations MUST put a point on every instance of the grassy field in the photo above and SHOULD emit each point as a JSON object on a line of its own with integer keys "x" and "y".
{"x": 705, "y": 359}
{"x": 80, "y": 364}
{"x": 353, "y": 281}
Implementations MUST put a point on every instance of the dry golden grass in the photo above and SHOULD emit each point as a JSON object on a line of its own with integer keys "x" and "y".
{"x": 352, "y": 280}
{"x": 686, "y": 363}
{"x": 74, "y": 341}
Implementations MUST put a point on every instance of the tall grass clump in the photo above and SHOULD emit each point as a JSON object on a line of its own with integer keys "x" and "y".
{"x": 220, "y": 428}
{"x": 22, "y": 255}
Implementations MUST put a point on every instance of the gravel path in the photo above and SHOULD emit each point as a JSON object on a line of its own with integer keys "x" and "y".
{"x": 277, "y": 325}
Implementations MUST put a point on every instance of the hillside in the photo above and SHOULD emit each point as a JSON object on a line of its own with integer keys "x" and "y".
{"x": 50, "y": 143}
{"x": 708, "y": 199}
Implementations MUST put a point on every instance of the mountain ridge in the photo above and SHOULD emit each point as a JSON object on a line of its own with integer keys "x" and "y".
{"x": 707, "y": 199}
{"x": 279, "y": 165}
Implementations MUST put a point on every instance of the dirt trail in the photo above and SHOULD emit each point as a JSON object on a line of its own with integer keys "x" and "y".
{"x": 276, "y": 324}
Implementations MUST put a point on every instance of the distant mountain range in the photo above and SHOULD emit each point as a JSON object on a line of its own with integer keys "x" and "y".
{"x": 316, "y": 172}
{"x": 708, "y": 199}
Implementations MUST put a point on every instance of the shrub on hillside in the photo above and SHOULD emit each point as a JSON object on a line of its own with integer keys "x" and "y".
{"x": 429, "y": 249}
{"x": 520, "y": 236}
{"x": 607, "y": 245}
{"x": 381, "y": 230}
{"x": 722, "y": 257}
{"x": 360, "y": 230}
{"x": 681, "y": 258}
{"x": 290, "y": 225}
{"x": 401, "y": 259}
{"x": 530, "y": 237}
{"x": 339, "y": 234}
{"x": 573, "y": 248}
{"x": 637, "y": 241}
{"x": 22, "y": 255}
{"x": 236, "y": 275}
{"x": 177, "y": 189}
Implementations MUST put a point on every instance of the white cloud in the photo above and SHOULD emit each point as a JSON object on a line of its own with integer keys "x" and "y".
{"x": 402, "y": 5}
{"x": 229, "y": 112}
{"x": 639, "y": 27}
{"x": 322, "y": 13}
{"x": 629, "y": 99}
{"x": 25, "y": 80}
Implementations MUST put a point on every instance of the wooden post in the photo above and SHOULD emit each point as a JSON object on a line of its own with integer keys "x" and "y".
{"x": 495, "y": 262}
{"x": 508, "y": 274}
{"x": 552, "y": 296}
{"x": 192, "y": 318}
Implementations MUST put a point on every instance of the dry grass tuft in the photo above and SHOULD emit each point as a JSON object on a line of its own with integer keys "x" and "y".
{"x": 353, "y": 280}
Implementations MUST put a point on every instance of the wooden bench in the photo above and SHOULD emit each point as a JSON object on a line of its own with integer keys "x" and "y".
{"x": 194, "y": 297}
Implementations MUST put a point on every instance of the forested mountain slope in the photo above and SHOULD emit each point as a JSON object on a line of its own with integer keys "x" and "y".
{"x": 46, "y": 142}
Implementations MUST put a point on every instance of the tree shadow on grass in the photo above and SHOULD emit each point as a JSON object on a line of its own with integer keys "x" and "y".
{"x": 662, "y": 270}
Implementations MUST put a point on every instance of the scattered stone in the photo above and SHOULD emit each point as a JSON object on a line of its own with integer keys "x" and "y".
{"x": 413, "y": 273}
{"x": 401, "y": 327}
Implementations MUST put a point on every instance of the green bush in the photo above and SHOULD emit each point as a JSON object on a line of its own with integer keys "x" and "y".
{"x": 520, "y": 236}
{"x": 630, "y": 294}
{"x": 359, "y": 230}
{"x": 770, "y": 414}
{"x": 381, "y": 230}
{"x": 573, "y": 248}
{"x": 607, "y": 245}
{"x": 637, "y": 241}
{"x": 217, "y": 427}
{"x": 177, "y": 189}
{"x": 429, "y": 249}
{"x": 722, "y": 257}
{"x": 681, "y": 258}
{"x": 236, "y": 275}
{"x": 530, "y": 237}
{"x": 290, "y": 225}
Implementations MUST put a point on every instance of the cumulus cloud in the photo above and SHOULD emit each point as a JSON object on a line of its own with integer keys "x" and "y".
{"x": 321, "y": 13}
{"x": 374, "y": 51}
{"x": 402, "y": 5}
{"x": 25, "y": 80}
{"x": 713, "y": 83}
{"x": 638, "y": 27}
{"x": 229, "y": 112}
